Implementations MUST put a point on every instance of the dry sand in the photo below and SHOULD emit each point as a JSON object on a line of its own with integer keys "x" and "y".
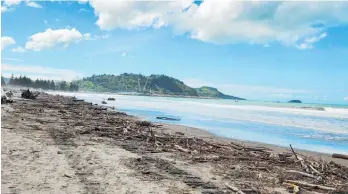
{"x": 55, "y": 145}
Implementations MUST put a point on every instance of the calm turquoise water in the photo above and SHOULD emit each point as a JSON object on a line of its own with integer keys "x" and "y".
{"x": 273, "y": 123}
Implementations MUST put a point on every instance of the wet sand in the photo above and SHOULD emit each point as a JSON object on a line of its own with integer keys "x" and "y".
{"x": 57, "y": 145}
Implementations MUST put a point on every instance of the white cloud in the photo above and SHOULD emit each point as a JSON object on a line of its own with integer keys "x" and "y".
{"x": 7, "y": 41}
{"x": 19, "y": 49}
{"x": 5, "y": 9}
{"x": 222, "y": 22}
{"x": 88, "y": 36}
{"x": 36, "y": 72}
{"x": 83, "y": 10}
{"x": 12, "y": 59}
{"x": 345, "y": 98}
{"x": 11, "y": 2}
{"x": 57, "y": 20}
{"x": 304, "y": 46}
{"x": 33, "y": 4}
{"x": 51, "y": 38}
{"x": 308, "y": 42}
{"x": 105, "y": 36}
{"x": 133, "y": 14}
{"x": 124, "y": 54}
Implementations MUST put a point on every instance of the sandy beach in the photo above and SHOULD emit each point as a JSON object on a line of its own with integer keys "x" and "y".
{"x": 57, "y": 144}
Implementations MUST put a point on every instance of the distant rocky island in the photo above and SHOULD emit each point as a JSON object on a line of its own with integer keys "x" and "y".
{"x": 154, "y": 85}
{"x": 295, "y": 101}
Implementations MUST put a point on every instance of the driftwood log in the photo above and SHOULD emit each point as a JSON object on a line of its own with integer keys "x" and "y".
{"x": 234, "y": 189}
{"x": 27, "y": 94}
{"x": 341, "y": 156}
{"x": 309, "y": 185}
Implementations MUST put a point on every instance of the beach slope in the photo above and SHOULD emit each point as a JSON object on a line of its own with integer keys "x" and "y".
{"x": 56, "y": 144}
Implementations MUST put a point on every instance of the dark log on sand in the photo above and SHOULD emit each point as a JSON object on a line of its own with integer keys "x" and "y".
{"x": 341, "y": 156}
{"x": 29, "y": 95}
{"x": 78, "y": 100}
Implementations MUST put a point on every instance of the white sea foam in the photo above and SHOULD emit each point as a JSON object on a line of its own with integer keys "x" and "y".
{"x": 328, "y": 112}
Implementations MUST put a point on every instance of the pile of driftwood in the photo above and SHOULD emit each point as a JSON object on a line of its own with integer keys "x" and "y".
{"x": 250, "y": 168}
{"x": 243, "y": 169}
{"x": 6, "y": 97}
{"x": 27, "y": 94}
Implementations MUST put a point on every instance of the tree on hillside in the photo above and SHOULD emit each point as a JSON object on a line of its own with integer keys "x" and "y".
{"x": 38, "y": 83}
{"x": 73, "y": 87}
{"x": 11, "y": 80}
{"x": 63, "y": 85}
{"x": 52, "y": 85}
{"x": 3, "y": 83}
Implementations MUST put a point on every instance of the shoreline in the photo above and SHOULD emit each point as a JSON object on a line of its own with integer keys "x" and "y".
{"x": 278, "y": 147}
{"x": 287, "y": 109}
{"x": 312, "y": 106}
{"x": 85, "y": 148}
{"x": 205, "y": 134}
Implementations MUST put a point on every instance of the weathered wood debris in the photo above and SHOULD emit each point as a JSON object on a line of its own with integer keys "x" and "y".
{"x": 29, "y": 94}
{"x": 241, "y": 168}
{"x": 342, "y": 156}
{"x": 6, "y": 97}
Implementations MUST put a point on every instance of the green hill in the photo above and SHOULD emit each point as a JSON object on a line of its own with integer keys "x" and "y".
{"x": 214, "y": 93}
{"x": 148, "y": 85}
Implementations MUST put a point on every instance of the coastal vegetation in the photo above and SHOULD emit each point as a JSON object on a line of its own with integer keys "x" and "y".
{"x": 42, "y": 84}
{"x": 214, "y": 93}
{"x": 156, "y": 85}
{"x": 3, "y": 81}
{"x": 147, "y": 85}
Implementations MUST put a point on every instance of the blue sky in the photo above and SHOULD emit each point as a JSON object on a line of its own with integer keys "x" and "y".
{"x": 257, "y": 50}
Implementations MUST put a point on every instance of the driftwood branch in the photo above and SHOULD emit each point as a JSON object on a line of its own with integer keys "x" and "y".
{"x": 233, "y": 188}
{"x": 303, "y": 164}
{"x": 181, "y": 149}
{"x": 294, "y": 152}
{"x": 302, "y": 173}
{"x": 313, "y": 186}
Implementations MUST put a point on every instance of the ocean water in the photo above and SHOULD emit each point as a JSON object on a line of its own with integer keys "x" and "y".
{"x": 321, "y": 128}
